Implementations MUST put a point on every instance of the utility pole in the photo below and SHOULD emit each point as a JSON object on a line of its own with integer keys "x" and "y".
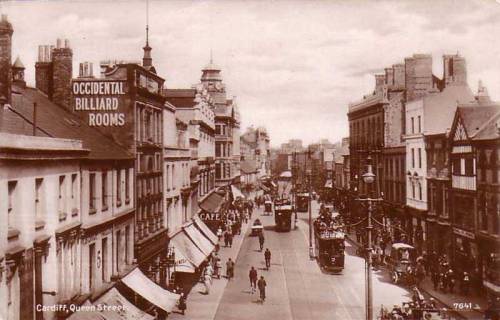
{"x": 309, "y": 174}
{"x": 369, "y": 178}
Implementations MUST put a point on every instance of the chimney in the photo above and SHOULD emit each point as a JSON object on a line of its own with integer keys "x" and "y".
{"x": 43, "y": 70}
{"x": 6, "y": 32}
{"x": 482, "y": 94}
{"x": 398, "y": 71}
{"x": 379, "y": 82}
{"x": 454, "y": 70}
{"x": 418, "y": 74}
{"x": 86, "y": 70}
{"x": 389, "y": 76}
{"x": 62, "y": 73}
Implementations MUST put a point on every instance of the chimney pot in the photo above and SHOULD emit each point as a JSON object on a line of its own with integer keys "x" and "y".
{"x": 66, "y": 43}
{"x": 59, "y": 43}
{"x": 81, "y": 70}
{"x": 40, "y": 53}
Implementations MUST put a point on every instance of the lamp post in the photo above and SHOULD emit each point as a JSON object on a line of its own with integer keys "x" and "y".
{"x": 369, "y": 178}
{"x": 311, "y": 250}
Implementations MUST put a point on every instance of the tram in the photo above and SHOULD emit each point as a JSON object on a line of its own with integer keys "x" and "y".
{"x": 283, "y": 215}
{"x": 302, "y": 201}
{"x": 329, "y": 240}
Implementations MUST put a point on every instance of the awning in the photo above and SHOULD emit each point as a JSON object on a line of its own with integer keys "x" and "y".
{"x": 189, "y": 250}
{"x": 114, "y": 299}
{"x": 142, "y": 285}
{"x": 212, "y": 203}
{"x": 182, "y": 264}
{"x": 199, "y": 239}
{"x": 236, "y": 192}
{"x": 205, "y": 230}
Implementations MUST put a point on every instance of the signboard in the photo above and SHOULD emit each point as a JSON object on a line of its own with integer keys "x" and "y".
{"x": 102, "y": 101}
{"x": 206, "y": 216}
{"x": 464, "y": 233}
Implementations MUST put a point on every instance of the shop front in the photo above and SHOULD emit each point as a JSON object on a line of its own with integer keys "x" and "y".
{"x": 211, "y": 211}
{"x": 490, "y": 264}
{"x": 465, "y": 252}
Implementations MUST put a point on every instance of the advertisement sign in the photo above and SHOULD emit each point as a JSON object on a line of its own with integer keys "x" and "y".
{"x": 101, "y": 100}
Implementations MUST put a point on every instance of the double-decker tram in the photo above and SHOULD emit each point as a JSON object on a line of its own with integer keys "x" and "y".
{"x": 283, "y": 202}
{"x": 283, "y": 215}
{"x": 329, "y": 240}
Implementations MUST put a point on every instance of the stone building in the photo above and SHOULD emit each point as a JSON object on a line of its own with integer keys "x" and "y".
{"x": 260, "y": 141}
{"x": 194, "y": 107}
{"x": 126, "y": 104}
{"x": 227, "y": 127}
{"x": 78, "y": 185}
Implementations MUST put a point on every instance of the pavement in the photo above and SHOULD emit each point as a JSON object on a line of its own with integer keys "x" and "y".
{"x": 466, "y": 307}
{"x": 201, "y": 306}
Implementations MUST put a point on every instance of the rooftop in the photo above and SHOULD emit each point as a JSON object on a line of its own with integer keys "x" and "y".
{"x": 57, "y": 122}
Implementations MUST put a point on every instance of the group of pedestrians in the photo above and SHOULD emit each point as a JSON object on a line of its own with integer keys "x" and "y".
{"x": 254, "y": 283}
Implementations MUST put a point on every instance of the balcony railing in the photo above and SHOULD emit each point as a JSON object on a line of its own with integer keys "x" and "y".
{"x": 463, "y": 182}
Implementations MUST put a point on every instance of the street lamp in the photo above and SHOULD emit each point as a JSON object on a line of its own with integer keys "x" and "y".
{"x": 311, "y": 250}
{"x": 369, "y": 178}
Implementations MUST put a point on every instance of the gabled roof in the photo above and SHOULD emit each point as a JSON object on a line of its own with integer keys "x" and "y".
{"x": 480, "y": 121}
{"x": 248, "y": 166}
{"x": 181, "y": 98}
{"x": 439, "y": 108}
{"x": 57, "y": 122}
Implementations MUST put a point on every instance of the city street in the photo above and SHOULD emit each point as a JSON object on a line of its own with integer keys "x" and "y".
{"x": 296, "y": 287}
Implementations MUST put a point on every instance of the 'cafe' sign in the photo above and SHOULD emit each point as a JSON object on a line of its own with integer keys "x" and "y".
{"x": 101, "y": 99}
{"x": 205, "y": 216}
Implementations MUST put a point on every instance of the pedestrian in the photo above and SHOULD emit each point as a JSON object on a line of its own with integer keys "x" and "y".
{"x": 435, "y": 279}
{"x": 230, "y": 239}
{"x": 182, "y": 303}
{"x": 261, "y": 284}
{"x": 219, "y": 233}
{"x": 267, "y": 257}
{"x": 229, "y": 269}
{"x": 261, "y": 240}
{"x": 465, "y": 284}
{"x": 252, "y": 275}
{"x": 207, "y": 281}
{"x": 451, "y": 280}
{"x": 226, "y": 239}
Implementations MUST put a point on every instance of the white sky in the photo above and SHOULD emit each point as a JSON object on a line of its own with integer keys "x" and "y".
{"x": 293, "y": 65}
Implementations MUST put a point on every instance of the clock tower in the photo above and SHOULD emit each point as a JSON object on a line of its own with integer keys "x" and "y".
{"x": 212, "y": 81}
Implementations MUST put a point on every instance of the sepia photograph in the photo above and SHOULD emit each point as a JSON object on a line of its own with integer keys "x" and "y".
{"x": 249, "y": 159}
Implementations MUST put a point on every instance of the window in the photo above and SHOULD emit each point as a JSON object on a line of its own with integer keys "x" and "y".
{"x": 104, "y": 258}
{"x": 38, "y": 199}
{"x": 74, "y": 191}
{"x": 92, "y": 193}
{"x": 127, "y": 239}
{"x": 62, "y": 194}
{"x": 174, "y": 182}
{"x": 412, "y": 189}
{"x": 456, "y": 166}
{"x": 412, "y": 125}
{"x": 127, "y": 184}
{"x": 469, "y": 166}
{"x": 118, "y": 187}
{"x": 12, "y": 202}
{"x": 419, "y": 191}
{"x": 91, "y": 266}
{"x": 412, "y": 158}
{"x": 104, "y": 190}
{"x": 420, "y": 157}
{"x": 419, "y": 124}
